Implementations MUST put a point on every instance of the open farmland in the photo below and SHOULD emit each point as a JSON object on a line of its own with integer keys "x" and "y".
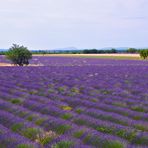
{"x": 75, "y": 102}
{"x": 126, "y": 56}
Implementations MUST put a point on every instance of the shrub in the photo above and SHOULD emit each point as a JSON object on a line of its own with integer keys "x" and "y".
{"x": 19, "y": 55}
{"x": 143, "y": 53}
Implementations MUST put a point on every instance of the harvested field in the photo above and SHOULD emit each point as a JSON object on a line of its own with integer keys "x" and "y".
{"x": 122, "y": 54}
{"x": 101, "y": 56}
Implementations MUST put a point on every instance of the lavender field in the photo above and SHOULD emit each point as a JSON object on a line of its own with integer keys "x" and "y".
{"x": 74, "y": 103}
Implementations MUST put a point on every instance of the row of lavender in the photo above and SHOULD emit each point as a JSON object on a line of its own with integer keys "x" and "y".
{"x": 92, "y": 105}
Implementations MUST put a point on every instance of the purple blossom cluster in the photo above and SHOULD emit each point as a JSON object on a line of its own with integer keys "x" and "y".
{"x": 73, "y": 102}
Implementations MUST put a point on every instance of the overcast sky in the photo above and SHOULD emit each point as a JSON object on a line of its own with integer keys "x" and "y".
{"x": 48, "y": 24}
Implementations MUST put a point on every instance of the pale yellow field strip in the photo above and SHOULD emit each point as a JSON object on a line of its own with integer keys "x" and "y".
{"x": 77, "y": 55}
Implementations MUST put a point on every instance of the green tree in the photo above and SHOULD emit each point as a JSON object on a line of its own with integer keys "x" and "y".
{"x": 144, "y": 53}
{"x": 19, "y": 55}
{"x": 132, "y": 50}
{"x": 113, "y": 50}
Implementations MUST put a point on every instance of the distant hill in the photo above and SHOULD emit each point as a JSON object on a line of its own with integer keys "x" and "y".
{"x": 3, "y": 50}
{"x": 121, "y": 48}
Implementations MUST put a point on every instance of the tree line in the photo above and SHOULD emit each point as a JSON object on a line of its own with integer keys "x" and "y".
{"x": 143, "y": 52}
{"x": 20, "y": 55}
{"x": 83, "y": 51}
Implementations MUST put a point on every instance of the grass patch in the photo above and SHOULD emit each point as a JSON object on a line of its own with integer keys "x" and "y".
{"x": 67, "y": 108}
{"x": 66, "y": 116}
{"x": 140, "y": 140}
{"x": 96, "y": 141}
{"x": 61, "y": 129}
{"x": 112, "y": 144}
{"x": 104, "y": 129}
{"x": 31, "y": 133}
{"x": 107, "y": 117}
{"x": 39, "y": 121}
{"x": 141, "y": 127}
{"x": 30, "y": 118}
{"x": 63, "y": 144}
{"x": 17, "y": 127}
{"x": 80, "y": 121}
{"x": 75, "y": 90}
{"x": 94, "y": 100}
{"x": 78, "y": 134}
{"x": 45, "y": 140}
{"x": 137, "y": 117}
{"x": 111, "y": 57}
{"x": 120, "y": 104}
{"x": 121, "y": 133}
{"x": 79, "y": 110}
{"x": 25, "y": 146}
{"x": 23, "y": 114}
{"x": 16, "y": 101}
{"x": 138, "y": 109}
{"x": 62, "y": 89}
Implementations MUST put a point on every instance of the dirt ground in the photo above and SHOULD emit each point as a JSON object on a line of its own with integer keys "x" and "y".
{"x": 6, "y": 64}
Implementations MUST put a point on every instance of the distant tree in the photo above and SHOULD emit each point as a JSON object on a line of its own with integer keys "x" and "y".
{"x": 2, "y": 52}
{"x": 19, "y": 55}
{"x": 44, "y": 52}
{"x": 101, "y": 51}
{"x": 85, "y": 51}
{"x": 90, "y": 51}
{"x": 132, "y": 50}
{"x": 143, "y": 53}
{"x": 95, "y": 51}
{"x": 113, "y": 50}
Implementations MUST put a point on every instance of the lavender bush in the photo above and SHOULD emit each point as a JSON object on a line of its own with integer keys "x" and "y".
{"x": 74, "y": 103}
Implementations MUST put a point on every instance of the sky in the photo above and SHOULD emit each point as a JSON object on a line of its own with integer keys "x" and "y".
{"x": 50, "y": 24}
